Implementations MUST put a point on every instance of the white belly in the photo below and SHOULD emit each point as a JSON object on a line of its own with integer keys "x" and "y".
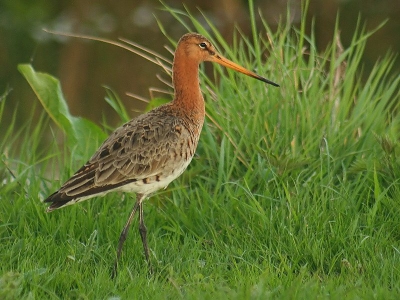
{"x": 151, "y": 185}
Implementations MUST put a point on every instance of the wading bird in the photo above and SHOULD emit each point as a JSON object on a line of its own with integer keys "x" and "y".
{"x": 147, "y": 153}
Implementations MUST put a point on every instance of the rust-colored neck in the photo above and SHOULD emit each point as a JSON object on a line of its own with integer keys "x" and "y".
{"x": 185, "y": 77}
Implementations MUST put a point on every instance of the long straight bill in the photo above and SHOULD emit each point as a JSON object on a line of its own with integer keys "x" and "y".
{"x": 230, "y": 64}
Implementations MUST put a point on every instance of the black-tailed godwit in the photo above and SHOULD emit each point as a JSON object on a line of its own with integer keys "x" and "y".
{"x": 147, "y": 153}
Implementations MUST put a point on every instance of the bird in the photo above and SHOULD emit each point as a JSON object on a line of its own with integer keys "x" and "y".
{"x": 148, "y": 152}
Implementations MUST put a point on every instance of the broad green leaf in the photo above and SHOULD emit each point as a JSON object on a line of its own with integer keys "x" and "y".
{"x": 48, "y": 90}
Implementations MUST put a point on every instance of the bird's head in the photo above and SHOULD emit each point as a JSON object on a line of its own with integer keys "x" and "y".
{"x": 196, "y": 47}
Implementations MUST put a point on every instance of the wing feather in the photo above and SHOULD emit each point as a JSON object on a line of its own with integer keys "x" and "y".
{"x": 139, "y": 149}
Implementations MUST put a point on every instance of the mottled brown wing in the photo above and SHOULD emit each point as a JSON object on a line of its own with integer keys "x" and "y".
{"x": 137, "y": 150}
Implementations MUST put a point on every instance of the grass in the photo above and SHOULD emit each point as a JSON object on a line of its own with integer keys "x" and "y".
{"x": 294, "y": 192}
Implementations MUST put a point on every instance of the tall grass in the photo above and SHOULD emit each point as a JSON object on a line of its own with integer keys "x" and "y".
{"x": 293, "y": 193}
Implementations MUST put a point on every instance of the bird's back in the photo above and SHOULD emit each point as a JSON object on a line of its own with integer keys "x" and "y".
{"x": 142, "y": 156}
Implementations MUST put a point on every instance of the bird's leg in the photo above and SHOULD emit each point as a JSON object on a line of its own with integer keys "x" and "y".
{"x": 124, "y": 233}
{"x": 143, "y": 235}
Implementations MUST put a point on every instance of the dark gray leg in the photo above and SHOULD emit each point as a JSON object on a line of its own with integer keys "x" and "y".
{"x": 143, "y": 235}
{"x": 125, "y": 231}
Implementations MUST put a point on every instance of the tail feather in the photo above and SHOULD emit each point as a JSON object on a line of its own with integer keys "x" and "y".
{"x": 56, "y": 205}
{"x": 61, "y": 198}
{"x": 57, "y": 200}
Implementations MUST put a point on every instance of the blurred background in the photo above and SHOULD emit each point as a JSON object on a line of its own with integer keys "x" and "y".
{"x": 84, "y": 67}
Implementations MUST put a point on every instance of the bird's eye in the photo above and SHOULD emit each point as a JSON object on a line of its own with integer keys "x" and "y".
{"x": 203, "y": 45}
